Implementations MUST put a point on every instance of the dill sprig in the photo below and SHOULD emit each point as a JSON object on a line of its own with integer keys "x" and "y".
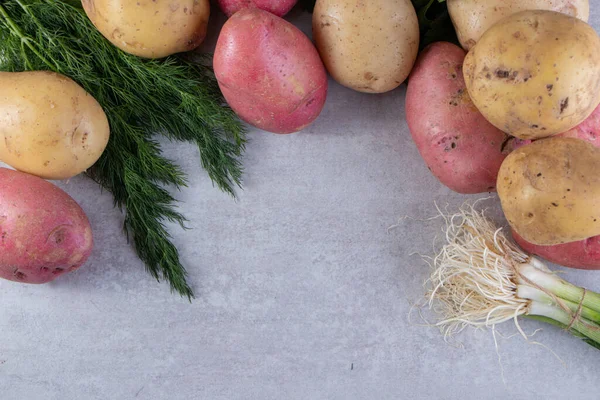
{"x": 173, "y": 97}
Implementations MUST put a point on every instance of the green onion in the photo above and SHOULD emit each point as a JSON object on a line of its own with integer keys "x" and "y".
{"x": 481, "y": 279}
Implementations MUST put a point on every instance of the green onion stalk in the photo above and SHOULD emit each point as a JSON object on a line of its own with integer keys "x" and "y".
{"x": 481, "y": 278}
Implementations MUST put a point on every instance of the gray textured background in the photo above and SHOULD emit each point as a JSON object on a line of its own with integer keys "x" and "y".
{"x": 302, "y": 291}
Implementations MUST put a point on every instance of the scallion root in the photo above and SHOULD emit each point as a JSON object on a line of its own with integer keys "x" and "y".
{"x": 481, "y": 278}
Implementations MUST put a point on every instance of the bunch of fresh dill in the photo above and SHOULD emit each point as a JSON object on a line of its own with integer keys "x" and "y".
{"x": 141, "y": 98}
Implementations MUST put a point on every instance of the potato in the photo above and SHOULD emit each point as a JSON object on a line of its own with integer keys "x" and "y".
{"x": 461, "y": 148}
{"x": 368, "y": 46}
{"x": 471, "y": 18}
{"x": 43, "y": 232}
{"x": 550, "y": 190}
{"x": 269, "y": 72}
{"x": 535, "y": 73}
{"x": 583, "y": 254}
{"x": 150, "y": 28}
{"x": 49, "y": 125}
{"x": 277, "y": 7}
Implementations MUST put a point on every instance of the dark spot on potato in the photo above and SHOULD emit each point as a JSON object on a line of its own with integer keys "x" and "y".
{"x": 517, "y": 34}
{"x": 534, "y": 126}
{"x": 539, "y": 100}
{"x": 530, "y": 215}
{"x": 539, "y": 174}
{"x": 502, "y": 73}
{"x": 369, "y": 76}
{"x": 324, "y": 24}
{"x": 453, "y": 145}
{"x": 549, "y": 89}
{"x": 57, "y": 271}
{"x": 568, "y": 190}
{"x": 19, "y": 275}
{"x": 555, "y": 204}
{"x": 58, "y": 235}
{"x": 564, "y": 104}
{"x": 44, "y": 269}
{"x": 488, "y": 75}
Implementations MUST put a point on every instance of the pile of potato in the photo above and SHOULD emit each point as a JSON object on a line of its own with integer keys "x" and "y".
{"x": 517, "y": 111}
{"x": 53, "y": 129}
{"x": 275, "y": 79}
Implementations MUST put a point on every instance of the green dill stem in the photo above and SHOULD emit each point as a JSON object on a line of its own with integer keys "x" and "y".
{"x": 559, "y": 287}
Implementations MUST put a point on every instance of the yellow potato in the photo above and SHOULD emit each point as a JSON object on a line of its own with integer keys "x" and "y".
{"x": 151, "y": 28}
{"x": 550, "y": 190}
{"x": 535, "y": 73}
{"x": 471, "y": 18}
{"x": 49, "y": 125}
{"x": 369, "y": 46}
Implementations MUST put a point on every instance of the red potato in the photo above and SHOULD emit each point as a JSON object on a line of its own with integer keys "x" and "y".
{"x": 43, "y": 231}
{"x": 461, "y": 148}
{"x": 277, "y": 7}
{"x": 583, "y": 254}
{"x": 269, "y": 72}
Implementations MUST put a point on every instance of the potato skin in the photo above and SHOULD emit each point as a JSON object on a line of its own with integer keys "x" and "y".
{"x": 150, "y": 28}
{"x": 43, "y": 231}
{"x": 269, "y": 72}
{"x": 461, "y": 148}
{"x": 535, "y": 74}
{"x": 49, "y": 125}
{"x": 368, "y": 46}
{"x": 583, "y": 254}
{"x": 277, "y": 7}
{"x": 550, "y": 190}
{"x": 471, "y": 18}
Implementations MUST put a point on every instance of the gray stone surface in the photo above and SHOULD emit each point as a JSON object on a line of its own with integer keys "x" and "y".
{"x": 303, "y": 293}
